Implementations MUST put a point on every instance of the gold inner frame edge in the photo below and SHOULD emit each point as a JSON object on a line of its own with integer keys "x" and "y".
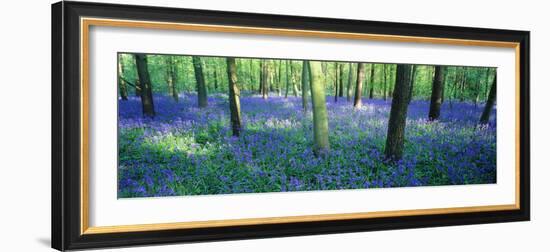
{"x": 85, "y": 24}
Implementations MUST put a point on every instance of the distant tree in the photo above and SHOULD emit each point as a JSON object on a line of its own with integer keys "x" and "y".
{"x": 371, "y": 80}
{"x": 341, "y": 80}
{"x": 121, "y": 84}
{"x": 395, "y": 139}
{"x": 490, "y": 103}
{"x": 304, "y": 84}
{"x": 171, "y": 77}
{"x": 279, "y": 78}
{"x": 234, "y": 97}
{"x": 287, "y": 77}
{"x": 437, "y": 93}
{"x": 335, "y": 82}
{"x": 293, "y": 79}
{"x": 413, "y": 79}
{"x": 321, "y": 144}
{"x": 350, "y": 81}
{"x": 385, "y": 83}
{"x": 147, "y": 105}
{"x": 359, "y": 85}
{"x": 201, "y": 85}
{"x": 216, "y": 79}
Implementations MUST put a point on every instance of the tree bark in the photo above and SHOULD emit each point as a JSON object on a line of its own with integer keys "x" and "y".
{"x": 123, "y": 89}
{"x": 385, "y": 95}
{"x": 304, "y": 84}
{"x": 371, "y": 93}
{"x": 234, "y": 96}
{"x": 490, "y": 103}
{"x": 171, "y": 77}
{"x": 287, "y": 63}
{"x": 321, "y": 144}
{"x": 437, "y": 93}
{"x": 341, "y": 74}
{"x": 335, "y": 82}
{"x": 350, "y": 81}
{"x": 201, "y": 85}
{"x": 293, "y": 79}
{"x": 147, "y": 105}
{"x": 413, "y": 78}
{"x": 357, "y": 103}
{"x": 398, "y": 115}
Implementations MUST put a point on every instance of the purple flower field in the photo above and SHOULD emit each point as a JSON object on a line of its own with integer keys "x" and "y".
{"x": 185, "y": 150}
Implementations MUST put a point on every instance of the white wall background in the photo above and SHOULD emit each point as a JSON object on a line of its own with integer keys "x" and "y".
{"x": 25, "y": 125}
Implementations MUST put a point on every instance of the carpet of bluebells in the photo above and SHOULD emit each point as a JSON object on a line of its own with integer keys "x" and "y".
{"x": 185, "y": 150}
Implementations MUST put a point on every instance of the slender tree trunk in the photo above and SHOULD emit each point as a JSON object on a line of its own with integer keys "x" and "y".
{"x": 350, "y": 81}
{"x": 201, "y": 85}
{"x": 335, "y": 82}
{"x": 293, "y": 80}
{"x": 216, "y": 79}
{"x": 371, "y": 93}
{"x": 413, "y": 78}
{"x": 385, "y": 83}
{"x": 341, "y": 74}
{"x": 490, "y": 103}
{"x": 251, "y": 74}
{"x": 265, "y": 80}
{"x": 234, "y": 97}
{"x": 262, "y": 77}
{"x": 305, "y": 74}
{"x": 280, "y": 78}
{"x": 437, "y": 93}
{"x": 121, "y": 84}
{"x": 147, "y": 105}
{"x": 287, "y": 77}
{"x": 359, "y": 85}
{"x": 398, "y": 115}
{"x": 138, "y": 84}
{"x": 321, "y": 144}
{"x": 171, "y": 77}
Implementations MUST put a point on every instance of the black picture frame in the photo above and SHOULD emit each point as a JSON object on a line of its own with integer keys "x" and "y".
{"x": 66, "y": 114}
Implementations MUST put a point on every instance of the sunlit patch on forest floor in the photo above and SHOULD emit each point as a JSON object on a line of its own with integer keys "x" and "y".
{"x": 185, "y": 150}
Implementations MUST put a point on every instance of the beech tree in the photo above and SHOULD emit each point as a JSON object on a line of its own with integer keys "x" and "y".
{"x": 304, "y": 84}
{"x": 201, "y": 85}
{"x": 437, "y": 93}
{"x": 395, "y": 139}
{"x": 171, "y": 77}
{"x": 123, "y": 90}
{"x": 491, "y": 99}
{"x": 234, "y": 97}
{"x": 147, "y": 105}
{"x": 321, "y": 144}
{"x": 357, "y": 103}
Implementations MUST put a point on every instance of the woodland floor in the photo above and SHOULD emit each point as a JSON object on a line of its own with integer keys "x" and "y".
{"x": 185, "y": 150}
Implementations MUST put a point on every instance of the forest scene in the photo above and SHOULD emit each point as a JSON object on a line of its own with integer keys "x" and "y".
{"x": 199, "y": 125}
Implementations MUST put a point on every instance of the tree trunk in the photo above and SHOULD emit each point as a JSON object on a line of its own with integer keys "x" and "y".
{"x": 341, "y": 74}
{"x": 490, "y": 103}
{"x": 398, "y": 115}
{"x": 138, "y": 84}
{"x": 359, "y": 85}
{"x": 123, "y": 89}
{"x": 287, "y": 78}
{"x": 437, "y": 93}
{"x": 371, "y": 93}
{"x": 293, "y": 80}
{"x": 262, "y": 77}
{"x": 385, "y": 83}
{"x": 234, "y": 97}
{"x": 201, "y": 85}
{"x": 265, "y": 77}
{"x": 147, "y": 105}
{"x": 413, "y": 78}
{"x": 215, "y": 79}
{"x": 321, "y": 144}
{"x": 335, "y": 82}
{"x": 350, "y": 81}
{"x": 171, "y": 77}
{"x": 304, "y": 84}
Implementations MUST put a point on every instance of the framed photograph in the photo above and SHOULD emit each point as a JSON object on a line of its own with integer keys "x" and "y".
{"x": 182, "y": 125}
